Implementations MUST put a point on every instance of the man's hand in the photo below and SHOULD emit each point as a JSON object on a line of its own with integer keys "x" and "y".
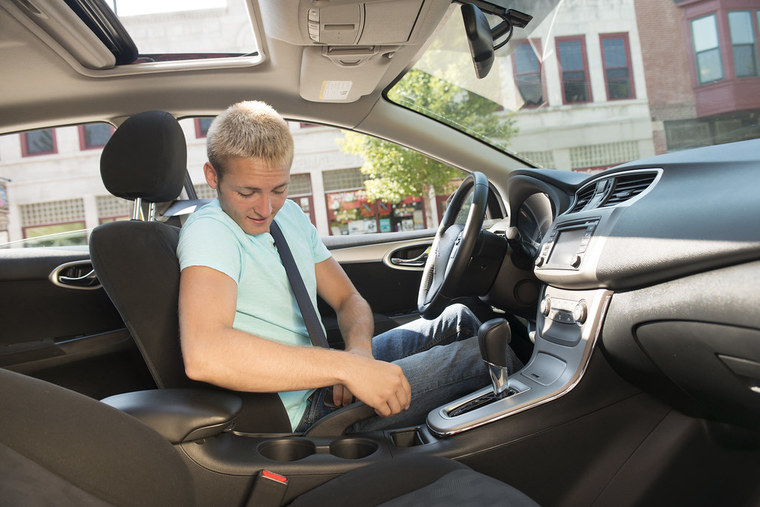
{"x": 380, "y": 385}
{"x": 341, "y": 394}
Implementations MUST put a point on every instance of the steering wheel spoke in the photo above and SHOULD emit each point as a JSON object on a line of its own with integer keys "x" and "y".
{"x": 453, "y": 245}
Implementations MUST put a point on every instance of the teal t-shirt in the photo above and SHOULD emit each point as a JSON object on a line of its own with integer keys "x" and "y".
{"x": 266, "y": 305}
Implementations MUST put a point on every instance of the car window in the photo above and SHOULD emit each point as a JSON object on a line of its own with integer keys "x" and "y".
{"x": 51, "y": 193}
{"x": 340, "y": 182}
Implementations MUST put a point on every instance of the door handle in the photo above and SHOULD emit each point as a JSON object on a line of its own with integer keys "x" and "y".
{"x": 417, "y": 262}
{"x": 75, "y": 275}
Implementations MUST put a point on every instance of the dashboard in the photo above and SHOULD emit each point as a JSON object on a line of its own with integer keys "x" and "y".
{"x": 664, "y": 255}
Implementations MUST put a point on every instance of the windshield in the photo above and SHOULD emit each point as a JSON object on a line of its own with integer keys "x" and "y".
{"x": 587, "y": 85}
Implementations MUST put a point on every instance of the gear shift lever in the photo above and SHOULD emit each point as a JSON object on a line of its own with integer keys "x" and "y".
{"x": 494, "y": 337}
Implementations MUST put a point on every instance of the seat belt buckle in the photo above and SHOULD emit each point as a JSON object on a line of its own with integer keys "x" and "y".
{"x": 268, "y": 490}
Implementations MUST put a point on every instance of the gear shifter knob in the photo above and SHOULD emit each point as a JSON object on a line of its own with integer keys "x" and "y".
{"x": 494, "y": 337}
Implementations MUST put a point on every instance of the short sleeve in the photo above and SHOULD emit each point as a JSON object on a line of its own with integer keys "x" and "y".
{"x": 209, "y": 242}
{"x": 318, "y": 249}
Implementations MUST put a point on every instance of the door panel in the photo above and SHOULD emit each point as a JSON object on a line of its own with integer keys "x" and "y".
{"x": 390, "y": 290}
{"x": 70, "y": 336}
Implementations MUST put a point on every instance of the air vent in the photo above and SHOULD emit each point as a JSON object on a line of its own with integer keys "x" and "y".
{"x": 629, "y": 186}
{"x": 582, "y": 198}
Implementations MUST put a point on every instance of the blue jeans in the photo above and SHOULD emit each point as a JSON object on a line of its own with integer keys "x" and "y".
{"x": 440, "y": 358}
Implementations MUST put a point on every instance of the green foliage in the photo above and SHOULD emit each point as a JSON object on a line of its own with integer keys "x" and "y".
{"x": 462, "y": 109}
{"x": 396, "y": 172}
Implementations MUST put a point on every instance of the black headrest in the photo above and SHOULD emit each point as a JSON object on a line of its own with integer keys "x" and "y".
{"x": 146, "y": 157}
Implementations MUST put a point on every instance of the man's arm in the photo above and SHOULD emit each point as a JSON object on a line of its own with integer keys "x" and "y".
{"x": 217, "y": 353}
{"x": 355, "y": 318}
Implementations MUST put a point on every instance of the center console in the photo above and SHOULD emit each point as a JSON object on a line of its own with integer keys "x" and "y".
{"x": 567, "y": 328}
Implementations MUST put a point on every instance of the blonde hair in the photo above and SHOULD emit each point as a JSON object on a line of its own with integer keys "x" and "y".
{"x": 249, "y": 129}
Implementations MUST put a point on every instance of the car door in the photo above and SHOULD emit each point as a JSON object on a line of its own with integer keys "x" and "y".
{"x": 57, "y": 323}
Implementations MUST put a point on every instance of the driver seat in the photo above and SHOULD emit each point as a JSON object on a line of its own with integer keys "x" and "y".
{"x": 146, "y": 161}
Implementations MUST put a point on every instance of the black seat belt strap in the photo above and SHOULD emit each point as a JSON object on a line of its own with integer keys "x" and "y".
{"x": 309, "y": 313}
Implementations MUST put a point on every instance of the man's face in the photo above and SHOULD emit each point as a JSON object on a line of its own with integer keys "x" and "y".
{"x": 250, "y": 192}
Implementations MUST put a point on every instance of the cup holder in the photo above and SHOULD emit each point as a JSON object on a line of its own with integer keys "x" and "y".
{"x": 287, "y": 449}
{"x": 293, "y": 449}
{"x": 352, "y": 448}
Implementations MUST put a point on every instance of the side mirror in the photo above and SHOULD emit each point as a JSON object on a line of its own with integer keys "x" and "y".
{"x": 479, "y": 39}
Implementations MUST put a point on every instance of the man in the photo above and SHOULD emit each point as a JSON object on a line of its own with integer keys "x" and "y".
{"x": 240, "y": 326}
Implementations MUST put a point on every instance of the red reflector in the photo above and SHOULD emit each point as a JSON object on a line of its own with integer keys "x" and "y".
{"x": 275, "y": 477}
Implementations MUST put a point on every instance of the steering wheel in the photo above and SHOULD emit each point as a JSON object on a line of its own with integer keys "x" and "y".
{"x": 453, "y": 246}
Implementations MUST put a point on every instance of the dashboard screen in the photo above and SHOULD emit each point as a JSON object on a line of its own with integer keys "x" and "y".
{"x": 566, "y": 247}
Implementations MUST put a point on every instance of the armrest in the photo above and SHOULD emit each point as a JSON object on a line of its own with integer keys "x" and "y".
{"x": 180, "y": 415}
{"x": 340, "y": 421}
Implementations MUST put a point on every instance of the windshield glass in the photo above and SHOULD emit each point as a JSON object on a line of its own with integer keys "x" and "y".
{"x": 587, "y": 85}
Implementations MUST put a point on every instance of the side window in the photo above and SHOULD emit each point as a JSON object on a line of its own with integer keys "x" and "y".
{"x": 616, "y": 59}
{"x": 38, "y": 142}
{"x": 94, "y": 135}
{"x": 704, "y": 33}
{"x": 743, "y": 43}
{"x": 50, "y": 187}
{"x": 337, "y": 179}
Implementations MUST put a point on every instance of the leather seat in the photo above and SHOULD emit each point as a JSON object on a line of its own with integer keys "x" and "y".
{"x": 58, "y": 447}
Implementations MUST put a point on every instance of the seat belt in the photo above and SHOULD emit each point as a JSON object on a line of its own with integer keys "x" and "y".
{"x": 309, "y": 314}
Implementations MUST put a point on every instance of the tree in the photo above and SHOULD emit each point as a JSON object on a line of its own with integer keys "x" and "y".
{"x": 396, "y": 172}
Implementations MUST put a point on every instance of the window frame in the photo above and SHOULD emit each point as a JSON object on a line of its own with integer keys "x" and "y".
{"x": 754, "y": 19}
{"x": 716, "y": 19}
{"x": 629, "y": 66}
{"x": 25, "y": 148}
{"x": 584, "y": 60}
{"x": 199, "y": 134}
{"x": 83, "y": 136}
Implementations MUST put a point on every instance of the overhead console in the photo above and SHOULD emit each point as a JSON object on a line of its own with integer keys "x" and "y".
{"x": 363, "y": 23}
{"x": 350, "y": 46}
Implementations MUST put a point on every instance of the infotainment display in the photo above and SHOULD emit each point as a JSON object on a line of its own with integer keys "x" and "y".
{"x": 566, "y": 246}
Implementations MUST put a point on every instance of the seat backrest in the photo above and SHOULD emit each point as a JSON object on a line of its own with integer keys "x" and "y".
{"x": 137, "y": 265}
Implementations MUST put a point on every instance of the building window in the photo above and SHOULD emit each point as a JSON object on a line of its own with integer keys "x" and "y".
{"x": 201, "y": 127}
{"x": 617, "y": 66}
{"x": 573, "y": 70}
{"x": 299, "y": 191}
{"x": 704, "y": 33}
{"x": 528, "y": 75}
{"x": 112, "y": 208}
{"x": 54, "y": 223}
{"x": 743, "y": 43}
{"x": 38, "y": 142}
{"x": 94, "y": 135}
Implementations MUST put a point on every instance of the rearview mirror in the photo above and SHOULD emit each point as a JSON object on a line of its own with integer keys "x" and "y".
{"x": 479, "y": 39}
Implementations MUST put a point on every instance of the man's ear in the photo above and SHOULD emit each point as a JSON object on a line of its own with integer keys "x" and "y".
{"x": 212, "y": 178}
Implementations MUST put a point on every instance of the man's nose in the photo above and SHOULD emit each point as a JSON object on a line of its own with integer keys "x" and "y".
{"x": 264, "y": 206}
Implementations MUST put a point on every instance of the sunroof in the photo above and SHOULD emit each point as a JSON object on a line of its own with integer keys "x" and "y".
{"x": 168, "y": 30}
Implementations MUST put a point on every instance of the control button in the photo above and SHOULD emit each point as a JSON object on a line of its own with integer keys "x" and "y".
{"x": 546, "y": 306}
{"x": 314, "y": 15}
{"x": 314, "y": 31}
{"x": 580, "y": 312}
{"x": 576, "y": 261}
